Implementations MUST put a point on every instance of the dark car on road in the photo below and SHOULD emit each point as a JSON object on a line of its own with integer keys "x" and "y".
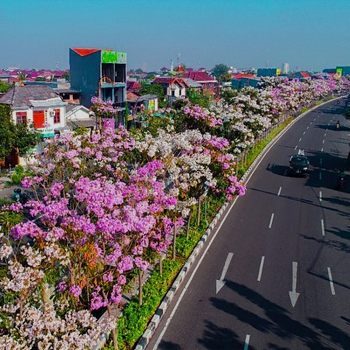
{"x": 299, "y": 164}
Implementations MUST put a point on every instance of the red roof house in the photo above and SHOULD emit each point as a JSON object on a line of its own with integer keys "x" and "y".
{"x": 208, "y": 82}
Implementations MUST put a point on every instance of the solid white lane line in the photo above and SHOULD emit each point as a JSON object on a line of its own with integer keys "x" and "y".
{"x": 271, "y": 220}
{"x": 331, "y": 281}
{"x": 320, "y": 175}
{"x": 279, "y": 191}
{"x": 246, "y": 343}
{"x": 320, "y": 196}
{"x": 299, "y": 139}
{"x": 322, "y": 227}
{"x": 261, "y": 268}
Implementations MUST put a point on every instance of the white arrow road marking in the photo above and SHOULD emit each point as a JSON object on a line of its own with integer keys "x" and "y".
{"x": 279, "y": 191}
{"x": 220, "y": 283}
{"x": 261, "y": 268}
{"x": 271, "y": 220}
{"x": 320, "y": 196}
{"x": 246, "y": 343}
{"x": 293, "y": 294}
{"x": 331, "y": 281}
{"x": 322, "y": 227}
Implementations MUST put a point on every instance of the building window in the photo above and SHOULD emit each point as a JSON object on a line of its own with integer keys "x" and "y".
{"x": 21, "y": 118}
{"x": 57, "y": 117}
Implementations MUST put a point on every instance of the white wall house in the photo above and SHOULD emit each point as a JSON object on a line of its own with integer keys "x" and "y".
{"x": 176, "y": 89}
{"x": 46, "y": 115}
{"x": 37, "y": 105}
{"x": 80, "y": 116}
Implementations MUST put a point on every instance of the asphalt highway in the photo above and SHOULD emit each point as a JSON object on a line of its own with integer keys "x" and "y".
{"x": 277, "y": 274}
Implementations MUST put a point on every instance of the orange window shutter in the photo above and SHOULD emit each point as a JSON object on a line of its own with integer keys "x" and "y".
{"x": 38, "y": 119}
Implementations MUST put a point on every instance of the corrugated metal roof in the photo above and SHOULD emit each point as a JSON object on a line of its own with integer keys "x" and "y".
{"x": 191, "y": 83}
{"x": 20, "y": 96}
{"x": 56, "y": 101}
{"x": 143, "y": 98}
{"x": 73, "y": 107}
{"x": 88, "y": 123}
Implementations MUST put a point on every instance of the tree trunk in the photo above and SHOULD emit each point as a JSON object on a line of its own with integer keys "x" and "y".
{"x": 140, "y": 288}
{"x": 114, "y": 330}
{"x": 199, "y": 212}
{"x": 161, "y": 265}
{"x": 115, "y": 338}
{"x": 174, "y": 244}
{"x": 188, "y": 225}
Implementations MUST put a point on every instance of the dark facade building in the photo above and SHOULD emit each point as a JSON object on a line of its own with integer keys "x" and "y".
{"x": 101, "y": 73}
{"x": 268, "y": 72}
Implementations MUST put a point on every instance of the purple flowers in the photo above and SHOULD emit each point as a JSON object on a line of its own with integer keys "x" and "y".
{"x": 62, "y": 286}
{"x": 56, "y": 189}
{"x": 75, "y": 291}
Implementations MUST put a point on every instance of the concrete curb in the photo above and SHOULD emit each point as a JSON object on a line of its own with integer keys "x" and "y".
{"x": 153, "y": 324}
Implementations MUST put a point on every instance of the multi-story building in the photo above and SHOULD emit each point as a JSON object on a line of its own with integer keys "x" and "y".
{"x": 101, "y": 73}
{"x": 285, "y": 68}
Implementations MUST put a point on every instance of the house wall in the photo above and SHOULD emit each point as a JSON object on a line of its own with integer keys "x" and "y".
{"x": 85, "y": 74}
{"x": 80, "y": 114}
{"x": 151, "y": 105}
{"x": 174, "y": 90}
{"x": 48, "y": 118}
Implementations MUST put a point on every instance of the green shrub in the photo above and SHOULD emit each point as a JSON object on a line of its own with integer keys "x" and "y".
{"x": 135, "y": 318}
{"x": 18, "y": 175}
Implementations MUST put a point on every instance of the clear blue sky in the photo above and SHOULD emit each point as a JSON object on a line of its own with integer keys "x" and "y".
{"x": 309, "y": 34}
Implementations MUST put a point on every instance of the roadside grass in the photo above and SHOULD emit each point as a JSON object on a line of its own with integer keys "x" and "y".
{"x": 259, "y": 146}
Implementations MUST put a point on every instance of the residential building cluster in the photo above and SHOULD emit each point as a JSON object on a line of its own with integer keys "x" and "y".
{"x": 58, "y": 101}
